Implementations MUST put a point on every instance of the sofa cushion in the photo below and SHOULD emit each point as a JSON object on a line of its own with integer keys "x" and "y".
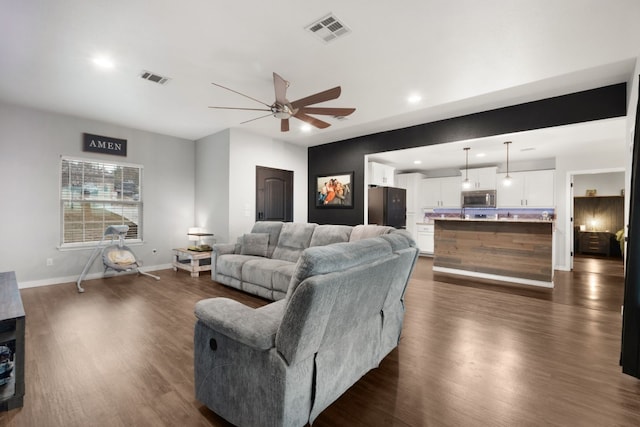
{"x": 271, "y": 227}
{"x": 282, "y": 276}
{"x": 231, "y": 264}
{"x": 255, "y": 244}
{"x": 328, "y": 234}
{"x": 399, "y": 239}
{"x": 294, "y": 238}
{"x": 259, "y": 271}
{"x": 366, "y": 231}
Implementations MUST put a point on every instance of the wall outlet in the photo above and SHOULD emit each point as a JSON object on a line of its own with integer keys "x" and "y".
{"x": 49, "y": 262}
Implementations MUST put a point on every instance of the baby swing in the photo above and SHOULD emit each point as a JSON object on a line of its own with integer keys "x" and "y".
{"x": 117, "y": 257}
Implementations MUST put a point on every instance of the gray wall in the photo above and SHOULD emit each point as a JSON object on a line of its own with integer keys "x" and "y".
{"x": 31, "y": 143}
{"x": 212, "y": 184}
{"x": 226, "y": 179}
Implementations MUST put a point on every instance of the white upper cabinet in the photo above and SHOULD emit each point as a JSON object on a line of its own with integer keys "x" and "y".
{"x": 410, "y": 182}
{"x": 440, "y": 192}
{"x": 430, "y": 193}
{"x": 533, "y": 189}
{"x": 380, "y": 174}
{"x": 513, "y": 195}
{"x": 450, "y": 192}
{"x": 480, "y": 178}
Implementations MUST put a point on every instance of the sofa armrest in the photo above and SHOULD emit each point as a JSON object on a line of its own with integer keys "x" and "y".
{"x": 254, "y": 327}
{"x": 224, "y": 248}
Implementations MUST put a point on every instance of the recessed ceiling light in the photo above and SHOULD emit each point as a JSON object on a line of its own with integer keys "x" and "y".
{"x": 103, "y": 62}
{"x": 414, "y": 99}
{"x": 417, "y": 162}
{"x": 480, "y": 155}
{"x": 305, "y": 128}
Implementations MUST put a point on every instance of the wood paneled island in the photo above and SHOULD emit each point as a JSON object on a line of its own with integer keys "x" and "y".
{"x": 514, "y": 251}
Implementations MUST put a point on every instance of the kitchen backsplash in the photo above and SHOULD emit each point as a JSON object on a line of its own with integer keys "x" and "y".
{"x": 490, "y": 213}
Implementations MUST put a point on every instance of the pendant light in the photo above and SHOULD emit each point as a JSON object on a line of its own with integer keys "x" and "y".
{"x": 466, "y": 184}
{"x": 506, "y": 181}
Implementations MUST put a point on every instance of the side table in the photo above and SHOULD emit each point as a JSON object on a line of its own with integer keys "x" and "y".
{"x": 191, "y": 261}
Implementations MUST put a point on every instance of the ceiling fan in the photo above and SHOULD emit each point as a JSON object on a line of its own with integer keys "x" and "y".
{"x": 283, "y": 109}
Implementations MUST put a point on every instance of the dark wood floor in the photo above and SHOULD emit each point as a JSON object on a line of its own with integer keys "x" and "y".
{"x": 473, "y": 353}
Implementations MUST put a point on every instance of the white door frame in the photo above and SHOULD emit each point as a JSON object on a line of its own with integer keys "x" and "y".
{"x": 569, "y": 241}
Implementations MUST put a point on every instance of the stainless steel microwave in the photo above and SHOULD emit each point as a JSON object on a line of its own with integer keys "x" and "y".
{"x": 478, "y": 199}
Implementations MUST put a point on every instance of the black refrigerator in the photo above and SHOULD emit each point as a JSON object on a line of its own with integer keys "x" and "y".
{"x": 388, "y": 206}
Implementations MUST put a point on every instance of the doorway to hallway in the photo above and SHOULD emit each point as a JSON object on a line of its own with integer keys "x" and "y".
{"x": 274, "y": 194}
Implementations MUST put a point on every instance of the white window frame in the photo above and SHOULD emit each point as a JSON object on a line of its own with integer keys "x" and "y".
{"x": 79, "y": 197}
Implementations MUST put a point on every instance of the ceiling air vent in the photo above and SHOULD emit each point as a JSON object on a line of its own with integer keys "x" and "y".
{"x": 153, "y": 77}
{"x": 328, "y": 28}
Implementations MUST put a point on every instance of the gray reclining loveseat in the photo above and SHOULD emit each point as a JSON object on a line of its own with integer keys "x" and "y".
{"x": 263, "y": 261}
{"x": 282, "y": 364}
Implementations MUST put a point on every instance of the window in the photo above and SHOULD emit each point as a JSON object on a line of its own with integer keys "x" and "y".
{"x": 95, "y": 195}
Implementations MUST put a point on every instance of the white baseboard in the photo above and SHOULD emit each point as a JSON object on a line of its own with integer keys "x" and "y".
{"x": 494, "y": 277}
{"x": 73, "y": 279}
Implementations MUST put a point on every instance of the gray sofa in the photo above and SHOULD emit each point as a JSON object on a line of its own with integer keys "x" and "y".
{"x": 284, "y": 363}
{"x": 263, "y": 261}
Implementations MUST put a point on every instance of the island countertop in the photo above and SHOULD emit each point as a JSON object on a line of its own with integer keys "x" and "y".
{"x": 536, "y": 220}
{"x": 519, "y": 251}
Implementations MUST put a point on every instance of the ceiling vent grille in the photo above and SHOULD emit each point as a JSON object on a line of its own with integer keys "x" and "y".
{"x": 153, "y": 77}
{"x": 328, "y": 28}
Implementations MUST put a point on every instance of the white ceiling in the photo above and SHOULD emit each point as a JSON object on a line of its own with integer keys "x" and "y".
{"x": 461, "y": 56}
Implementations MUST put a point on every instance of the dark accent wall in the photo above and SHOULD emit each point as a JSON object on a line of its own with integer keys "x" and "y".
{"x": 348, "y": 155}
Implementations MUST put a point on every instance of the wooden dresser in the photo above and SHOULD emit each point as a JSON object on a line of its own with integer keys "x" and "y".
{"x": 594, "y": 242}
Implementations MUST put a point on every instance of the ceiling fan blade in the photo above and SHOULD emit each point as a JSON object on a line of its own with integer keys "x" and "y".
{"x": 341, "y": 112}
{"x": 280, "y": 86}
{"x": 261, "y": 117}
{"x": 311, "y": 120}
{"x": 284, "y": 125}
{"x": 241, "y": 94}
{"x": 239, "y": 108}
{"x": 326, "y": 95}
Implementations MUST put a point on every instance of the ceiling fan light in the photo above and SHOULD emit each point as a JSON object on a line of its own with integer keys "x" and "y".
{"x": 281, "y": 115}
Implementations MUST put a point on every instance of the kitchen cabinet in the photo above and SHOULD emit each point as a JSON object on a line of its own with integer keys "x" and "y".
{"x": 381, "y": 175}
{"x": 480, "y": 178}
{"x": 440, "y": 192}
{"x": 411, "y": 225}
{"x": 425, "y": 239}
{"x": 533, "y": 189}
{"x": 411, "y": 183}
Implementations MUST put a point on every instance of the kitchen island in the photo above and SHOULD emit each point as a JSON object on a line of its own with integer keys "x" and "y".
{"x": 518, "y": 251}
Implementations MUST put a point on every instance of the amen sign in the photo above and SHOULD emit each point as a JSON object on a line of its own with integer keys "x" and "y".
{"x": 104, "y": 144}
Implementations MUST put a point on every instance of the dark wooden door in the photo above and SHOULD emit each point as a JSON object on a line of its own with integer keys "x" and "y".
{"x": 274, "y": 194}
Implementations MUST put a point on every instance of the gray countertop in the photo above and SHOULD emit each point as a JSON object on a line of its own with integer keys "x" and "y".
{"x": 524, "y": 220}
